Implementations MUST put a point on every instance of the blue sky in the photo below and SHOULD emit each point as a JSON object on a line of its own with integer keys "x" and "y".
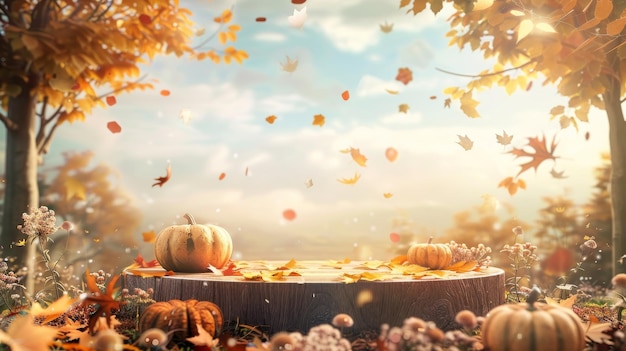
{"x": 340, "y": 47}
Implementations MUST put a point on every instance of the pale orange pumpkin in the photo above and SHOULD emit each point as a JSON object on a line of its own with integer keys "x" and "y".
{"x": 532, "y": 326}
{"x": 192, "y": 247}
{"x": 433, "y": 256}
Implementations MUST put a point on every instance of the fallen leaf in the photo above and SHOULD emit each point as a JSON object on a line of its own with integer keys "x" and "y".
{"x": 359, "y": 158}
{"x": 350, "y": 181}
{"x": 23, "y": 334}
{"x": 290, "y": 65}
{"x": 111, "y": 100}
{"x": 203, "y": 338}
{"x": 337, "y": 264}
{"x": 465, "y": 142}
{"x": 404, "y": 108}
{"x": 149, "y": 237}
{"x": 345, "y": 95}
{"x": 298, "y": 18}
{"x": 391, "y": 154}
{"x": 53, "y": 310}
{"x": 140, "y": 262}
{"x": 504, "y": 139}
{"x": 371, "y": 265}
{"x": 319, "y": 120}
{"x": 150, "y": 274}
{"x": 387, "y": 195}
{"x": 162, "y": 180}
{"x": 114, "y": 127}
{"x": 567, "y": 303}
{"x": 462, "y": 266}
{"x": 595, "y": 332}
{"x": 386, "y": 27}
{"x": 405, "y": 75}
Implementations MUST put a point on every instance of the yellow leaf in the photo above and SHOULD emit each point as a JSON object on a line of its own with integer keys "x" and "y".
{"x": 400, "y": 259}
{"x": 149, "y": 274}
{"x": 226, "y": 16}
{"x": 567, "y": 303}
{"x": 350, "y": 278}
{"x": 557, "y": 110}
{"x": 54, "y": 310}
{"x": 462, "y": 266}
{"x": 21, "y": 242}
{"x": 222, "y": 36}
{"x": 373, "y": 265}
{"x": 521, "y": 183}
{"x": 289, "y": 265}
{"x": 74, "y": 189}
{"x": 468, "y": 105}
{"x": 603, "y": 9}
{"x": 337, "y": 264}
{"x": 517, "y": 13}
{"x": 545, "y": 27}
{"x": 392, "y": 92}
{"x": 387, "y": 195}
{"x": 525, "y": 27}
{"x": 149, "y": 237}
{"x": 350, "y": 181}
{"x": 404, "y": 108}
{"x": 482, "y": 4}
{"x": 234, "y": 28}
{"x": 319, "y": 120}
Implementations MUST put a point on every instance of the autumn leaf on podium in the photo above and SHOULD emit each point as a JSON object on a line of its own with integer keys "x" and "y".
{"x": 465, "y": 142}
{"x": 504, "y": 139}
{"x": 539, "y": 153}
{"x": 162, "y": 180}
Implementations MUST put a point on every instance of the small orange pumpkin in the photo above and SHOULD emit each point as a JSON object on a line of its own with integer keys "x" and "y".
{"x": 182, "y": 317}
{"x": 532, "y": 326}
{"x": 433, "y": 256}
{"x": 192, "y": 247}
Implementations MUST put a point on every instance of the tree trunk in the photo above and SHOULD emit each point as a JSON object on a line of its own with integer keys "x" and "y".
{"x": 21, "y": 189}
{"x": 617, "y": 185}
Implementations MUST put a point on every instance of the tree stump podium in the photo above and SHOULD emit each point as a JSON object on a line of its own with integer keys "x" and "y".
{"x": 319, "y": 292}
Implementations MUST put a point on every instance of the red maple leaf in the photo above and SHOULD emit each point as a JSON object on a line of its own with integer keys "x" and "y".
{"x": 540, "y": 152}
{"x": 139, "y": 260}
{"x": 162, "y": 180}
{"x": 231, "y": 269}
{"x": 105, "y": 303}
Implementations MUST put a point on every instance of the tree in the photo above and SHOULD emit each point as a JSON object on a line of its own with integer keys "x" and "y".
{"x": 56, "y": 58}
{"x": 577, "y": 45}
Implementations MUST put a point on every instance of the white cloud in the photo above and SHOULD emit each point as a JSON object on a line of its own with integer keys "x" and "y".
{"x": 370, "y": 85}
{"x": 417, "y": 54}
{"x": 400, "y": 118}
{"x": 273, "y": 37}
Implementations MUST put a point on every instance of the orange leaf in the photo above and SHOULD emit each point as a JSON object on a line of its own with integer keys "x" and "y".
{"x": 603, "y": 9}
{"x": 319, "y": 120}
{"x": 222, "y": 176}
{"x": 162, "y": 180}
{"x": 111, "y": 100}
{"x": 359, "y": 158}
{"x": 345, "y": 95}
{"x": 350, "y": 181}
{"x": 114, "y": 127}
{"x": 150, "y": 274}
{"x": 149, "y": 237}
{"x": 405, "y": 75}
{"x": 616, "y": 27}
{"x": 165, "y": 92}
{"x": 541, "y": 152}
{"x": 226, "y": 16}
{"x": 270, "y": 119}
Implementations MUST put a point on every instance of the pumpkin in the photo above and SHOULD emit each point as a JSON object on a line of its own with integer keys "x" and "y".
{"x": 532, "y": 326}
{"x": 433, "y": 256}
{"x": 192, "y": 247}
{"x": 180, "y": 318}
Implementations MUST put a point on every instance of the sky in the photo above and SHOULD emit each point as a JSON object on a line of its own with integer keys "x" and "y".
{"x": 340, "y": 47}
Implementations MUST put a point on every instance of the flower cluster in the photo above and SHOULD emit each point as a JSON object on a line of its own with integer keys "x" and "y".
{"x": 480, "y": 254}
{"x": 415, "y": 334}
{"x": 522, "y": 253}
{"x": 39, "y": 223}
{"x": 320, "y": 338}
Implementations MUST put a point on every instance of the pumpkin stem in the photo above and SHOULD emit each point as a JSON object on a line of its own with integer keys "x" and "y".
{"x": 190, "y": 219}
{"x": 533, "y": 297}
{"x": 430, "y": 240}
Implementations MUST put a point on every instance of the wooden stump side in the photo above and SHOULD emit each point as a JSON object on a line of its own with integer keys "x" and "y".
{"x": 292, "y": 306}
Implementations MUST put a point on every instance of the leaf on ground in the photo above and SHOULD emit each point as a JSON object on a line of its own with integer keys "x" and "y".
{"x": 463, "y": 266}
{"x": 408, "y": 269}
{"x": 349, "y": 278}
{"x": 23, "y": 334}
{"x": 149, "y": 274}
{"x": 567, "y": 303}
{"x": 337, "y": 264}
{"x": 53, "y": 310}
{"x": 372, "y": 265}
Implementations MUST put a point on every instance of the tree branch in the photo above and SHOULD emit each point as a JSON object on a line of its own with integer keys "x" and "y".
{"x": 99, "y": 97}
{"x": 486, "y": 74}
{"x": 42, "y": 122}
{"x": 8, "y": 123}
{"x": 45, "y": 146}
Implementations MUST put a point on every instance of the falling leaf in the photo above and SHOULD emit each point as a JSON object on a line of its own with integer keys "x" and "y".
{"x": 185, "y": 115}
{"x": 403, "y": 108}
{"x": 541, "y": 153}
{"x": 350, "y": 181}
{"x": 289, "y": 214}
{"x": 290, "y": 65}
{"x": 392, "y": 92}
{"x": 447, "y": 102}
{"x": 260, "y": 19}
{"x": 387, "y": 195}
{"x": 149, "y": 237}
{"x": 529, "y": 86}
{"x": 162, "y": 180}
{"x": 587, "y": 135}
{"x": 145, "y": 19}
{"x": 511, "y": 185}
{"x": 557, "y": 175}
{"x": 105, "y": 302}
{"x": 111, "y": 100}
{"x": 386, "y": 27}
{"x": 246, "y": 172}
{"x": 308, "y": 183}
{"x": 319, "y": 120}
{"x": 433, "y": 97}
{"x": 23, "y": 334}
{"x": 165, "y": 92}
{"x": 394, "y": 237}
{"x": 504, "y": 139}
{"x": 465, "y": 142}
{"x": 222, "y": 176}
{"x": 364, "y": 297}
{"x": 405, "y": 75}
{"x": 21, "y": 242}
{"x": 297, "y": 19}
{"x": 114, "y": 127}
{"x": 596, "y": 331}
{"x": 468, "y": 105}
{"x": 74, "y": 189}
{"x": 359, "y": 158}
{"x": 391, "y": 154}
{"x": 298, "y": 2}
{"x": 53, "y": 310}
{"x": 345, "y": 95}
{"x": 270, "y": 119}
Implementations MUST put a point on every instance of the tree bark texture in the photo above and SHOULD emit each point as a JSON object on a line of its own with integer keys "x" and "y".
{"x": 617, "y": 184}
{"x": 305, "y": 302}
{"x": 21, "y": 162}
